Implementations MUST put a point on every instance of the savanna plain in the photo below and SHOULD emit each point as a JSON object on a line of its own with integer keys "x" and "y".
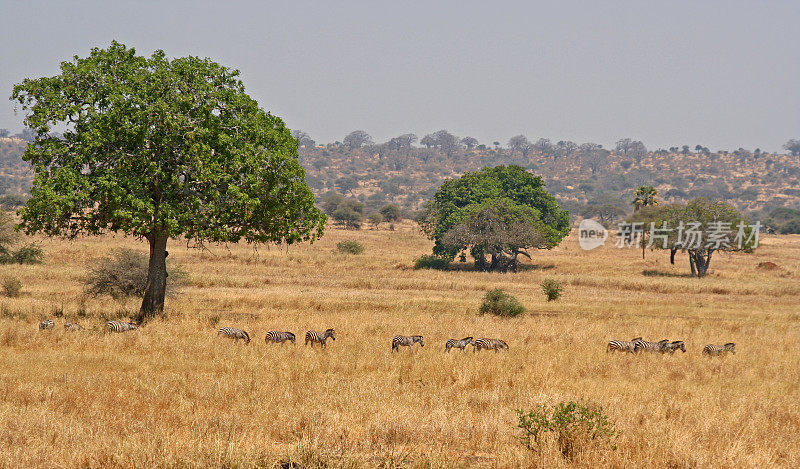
{"x": 173, "y": 394}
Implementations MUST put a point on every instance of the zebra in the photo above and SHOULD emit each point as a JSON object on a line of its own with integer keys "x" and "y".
{"x": 119, "y": 326}
{"x": 319, "y": 337}
{"x": 489, "y": 344}
{"x": 462, "y": 344}
{"x": 408, "y": 341}
{"x": 72, "y": 326}
{"x": 645, "y": 346}
{"x": 234, "y": 333}
{"x": 275, "y": 336}
{"x": 622, "y": 345}
{"x": 716, "y": 350}
{"x": 673, "y": 346}
{"x": 46, "y": 324}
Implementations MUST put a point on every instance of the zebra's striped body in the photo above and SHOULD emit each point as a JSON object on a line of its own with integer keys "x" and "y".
{"x": 319, "y": 337}
{"x": 234, "y": 333}
{"x": 645, "y": 346}
{"x": 716, "y": 350}
{"x": 119, "y": 326}
{"x": 673, "y": 346}
{"x": 489, "y": 344}
{"x": 72, "y": 326}
{"x": 462, "y": 344}
{"x": 279, "y": 337}
{"x": 407, "y": 341}
{"x": 622, "y": 345}
{"x": 46, "y": 324}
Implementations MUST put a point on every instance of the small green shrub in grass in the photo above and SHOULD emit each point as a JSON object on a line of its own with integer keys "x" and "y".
{"x": 431, "y": 262}
{"x": 349, "y": 247}
{"x": 500, "y": 303}
{"x": 12, "y": 287}
{"x": 552, "y": 289}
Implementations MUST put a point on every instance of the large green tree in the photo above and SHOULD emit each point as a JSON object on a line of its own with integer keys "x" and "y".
{"x": 158, "y": 148}
{"x": 499, "y": 212}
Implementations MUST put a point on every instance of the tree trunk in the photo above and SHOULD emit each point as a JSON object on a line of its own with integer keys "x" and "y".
{"x": 153, "y": 301}
{"x": 672, "y": 255}
{"x": 699, "y": 263}
{"x": 691, "y": 263}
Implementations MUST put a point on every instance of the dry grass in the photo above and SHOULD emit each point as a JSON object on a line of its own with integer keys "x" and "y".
{"x": 173, "y": 395}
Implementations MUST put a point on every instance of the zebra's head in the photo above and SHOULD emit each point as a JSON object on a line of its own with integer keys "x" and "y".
{"x": 421, "y": 342}
{"x": 330, "y": 333}
{"x": 678, "y": 345}
{"x": 731, "y": 346}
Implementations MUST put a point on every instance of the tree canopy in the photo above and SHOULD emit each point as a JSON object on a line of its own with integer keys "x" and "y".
{"x": 158, "y": 148}
{"x": 500, "y": 212}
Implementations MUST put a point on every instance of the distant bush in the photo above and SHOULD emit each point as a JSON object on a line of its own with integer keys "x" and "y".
{"x": 29, "y": 254}
{"x": 552, "y": 289}
{"x": 375, "y": 218}
{"x": 391, "y": 212}
{"x": 350, "y": 247}
{"x": 500, "y": 303}
{"x": 573, "y": 425}
{"x": 124, "y": 273}
{"x": 12, "y": 287}
{"x": 432, "y": 262}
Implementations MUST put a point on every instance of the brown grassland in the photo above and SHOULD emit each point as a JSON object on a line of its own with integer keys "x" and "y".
{"x": 172, "y": 394}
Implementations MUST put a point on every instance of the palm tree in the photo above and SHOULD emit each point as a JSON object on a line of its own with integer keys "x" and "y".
{"x": 644, "y": 196}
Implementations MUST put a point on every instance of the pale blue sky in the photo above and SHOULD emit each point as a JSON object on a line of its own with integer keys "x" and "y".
{"x": 720, "y": 73}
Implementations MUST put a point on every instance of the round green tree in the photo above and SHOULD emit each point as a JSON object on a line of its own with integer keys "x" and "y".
{"x": 158, "y": 148}
{"x": 498, "y": 213}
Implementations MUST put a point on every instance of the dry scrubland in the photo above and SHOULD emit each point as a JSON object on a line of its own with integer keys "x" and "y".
{"x": 173, "y": 395}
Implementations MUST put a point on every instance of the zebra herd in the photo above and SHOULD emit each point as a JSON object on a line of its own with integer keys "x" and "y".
{"x": 638, "y": 345}
{"x": 111, "y": 326}
{"x": 314, "y": 337}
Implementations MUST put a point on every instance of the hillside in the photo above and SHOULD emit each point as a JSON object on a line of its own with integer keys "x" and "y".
{"x": 379, "y": 174}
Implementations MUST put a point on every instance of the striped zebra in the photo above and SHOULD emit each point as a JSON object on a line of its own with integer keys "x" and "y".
{"x": 716, "y": 350}
{"x": 673, "y": 346}
{"x": 645, "y": 346}
{"x": 275, "y": 336}
{"x": 46, "y": 324}
{"x": 319, "y": 337}
{"x": 407, "y": 341}
{"x": 119, "y": 326}
{"x": 234, "y": 333}
{"x": 462, "y": 344}
{"x": 622, "y": 345}
{"x": 72, "y": 326}
{"x": 489, "y": 344}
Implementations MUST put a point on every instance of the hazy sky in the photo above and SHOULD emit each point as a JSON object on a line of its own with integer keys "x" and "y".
{"x": 723, "y": 74}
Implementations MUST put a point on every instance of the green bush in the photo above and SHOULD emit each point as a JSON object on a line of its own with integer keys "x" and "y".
{"x": 500, "y": 303}
{"x": 124, "y": 273}
{"x": 29, "y": 254}
{"x": 12, "y": 287}
{"x": 349, "y": 247}
{"x": 552, "y": 289}
{"x": 431, "y": 262}
{"x": 572, "y": 424}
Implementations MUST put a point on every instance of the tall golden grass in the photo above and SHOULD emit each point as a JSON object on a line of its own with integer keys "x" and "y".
{"x": 172, "y": 394}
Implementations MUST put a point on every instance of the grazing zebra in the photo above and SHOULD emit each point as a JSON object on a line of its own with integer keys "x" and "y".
{"x": 275, "y": 336}
{"x": 462, "y": 344}
{"x": 489, "y": 344}
{"x": 673, "y": 346}
{"x": 46, "y": 324}
{"x": 319, "y": 337}
{"x": 622, "y": 345}
{"x": 716, "y": 350}
{"x": 72, "y": 326}
{"x": 119, "y": 326}
{"x": 408, "y": 341}
{"x": 234, "y": 333}
{"x": 645, "y": 346}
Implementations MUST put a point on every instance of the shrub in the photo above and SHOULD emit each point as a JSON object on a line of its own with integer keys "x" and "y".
{"x": 12, "y": 287}
{"x": 500, "y": 303}
{"x": 552, "y": 289}
{"x": 349, "y": 247}
{"x": 124, "y": 273}
{"x": 391, "y": 212}
{"x": 375, "y": 218}
{"x": 29, "y": 254}
{"x": 572, "y": 424}
{"x": 431, "y": 262}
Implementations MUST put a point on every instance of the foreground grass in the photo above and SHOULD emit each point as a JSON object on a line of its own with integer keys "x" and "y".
{"x": 173, "y": 395}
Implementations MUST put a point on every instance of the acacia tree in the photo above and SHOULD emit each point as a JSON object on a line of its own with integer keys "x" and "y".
{"x": 500, "y": 212}
{"x": 158, "y": 148}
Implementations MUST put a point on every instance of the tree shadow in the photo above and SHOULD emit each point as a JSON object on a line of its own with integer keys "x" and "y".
{"x": 659, "y": 273}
